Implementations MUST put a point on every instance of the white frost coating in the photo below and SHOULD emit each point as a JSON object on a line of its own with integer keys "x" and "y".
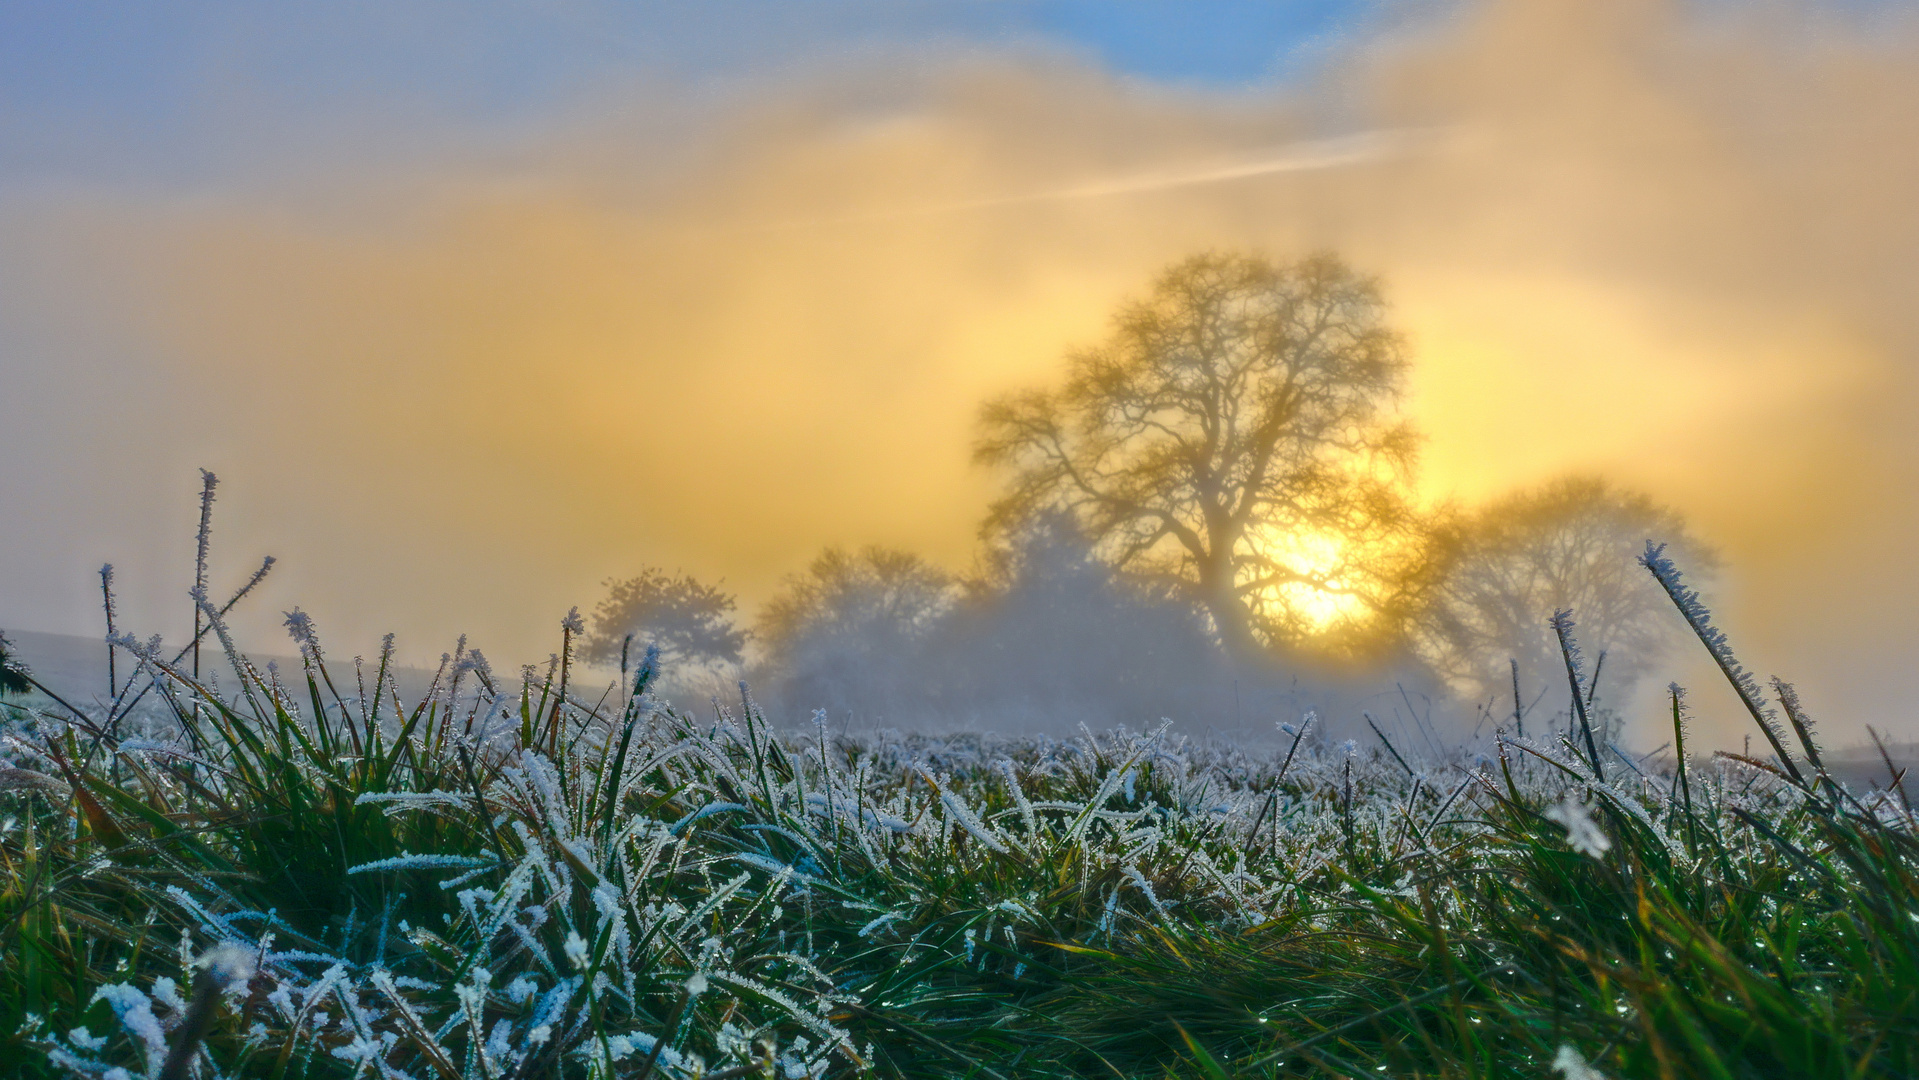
{"x": 136, "y": 1015}
{"x": 870, "y": 928}
{"x": 709, "y": 808}
{"x": 131, "y": 746}
{"x": 422, "y": 862}
{"x": 842, "y": 807}
{"x": 963, "y": 815}
{"x": 576, "y": 949}
{"x": 640, "y": 1044}
{"x": 300, "y": 627}
{"x": 1026, "y": 815}
{"x": 167, "y": 992}
{"x": 1687, "y": 600}
{"x": 1570, "y": 1064}
{"x": 456, "y": 882}
{"x": 415, "y": 798}
{"x": 230, "y": 963}
{"x": 772, "y": 866}
{"x": 1630, "y": 806}
{"x": 1134, "y": 875}
{"x": 1582, "y": 833}
{"x": 586, "y": 885}
{"x": 500, "y": 1042}
{"x": 522, "y": 988}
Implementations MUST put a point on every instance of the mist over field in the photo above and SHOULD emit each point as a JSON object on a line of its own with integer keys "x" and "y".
{"x": 471, "y": 322}
{"x": 1203, "y": 539}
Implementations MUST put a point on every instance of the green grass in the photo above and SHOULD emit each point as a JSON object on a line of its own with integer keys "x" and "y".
{"x": 1121, "y": 905}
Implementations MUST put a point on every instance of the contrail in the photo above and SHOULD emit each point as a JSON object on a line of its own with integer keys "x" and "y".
{"x": 1293, "y": 157}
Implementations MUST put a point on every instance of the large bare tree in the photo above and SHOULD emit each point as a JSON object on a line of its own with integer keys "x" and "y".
{"x": 1234, "y": 436}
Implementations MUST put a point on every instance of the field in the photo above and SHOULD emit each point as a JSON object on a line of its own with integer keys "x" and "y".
{"x": 306, "y": 875}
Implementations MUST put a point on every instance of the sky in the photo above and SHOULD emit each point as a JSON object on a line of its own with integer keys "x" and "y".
{"x": 473, "y": 306}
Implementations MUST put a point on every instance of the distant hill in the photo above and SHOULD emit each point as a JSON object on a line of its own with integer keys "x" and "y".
{"x": 1863, "y": 768}
{"x": 73, "y": 667}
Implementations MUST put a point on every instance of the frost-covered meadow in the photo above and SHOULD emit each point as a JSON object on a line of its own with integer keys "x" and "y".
{"x": 305, "y": 875}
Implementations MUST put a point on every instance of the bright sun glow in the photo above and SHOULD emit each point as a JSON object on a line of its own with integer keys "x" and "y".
{"x": 1316, "y": 555}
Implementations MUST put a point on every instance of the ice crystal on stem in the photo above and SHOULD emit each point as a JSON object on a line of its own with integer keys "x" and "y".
{"x": 1582, "y": 833}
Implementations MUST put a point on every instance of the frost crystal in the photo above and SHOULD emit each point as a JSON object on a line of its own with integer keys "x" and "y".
{"x": 144, "y": 650}
{"x": 869, "y": 928}
{"x": 475, "y": 661}
{"x": 422, "y": 862}
{"x": 230, "y": 963}
{"x": 1582, "y": 834}
{"x": 576, "y": 949}
{"x": 1570, "y": 1064}
{"x": 1700, "y": 619}
{"x": 300, "y": 627}
{"x": 136, "y": 1015}
{"x": 521, "y": 988}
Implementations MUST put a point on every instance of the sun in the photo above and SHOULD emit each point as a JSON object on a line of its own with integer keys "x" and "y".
{"x": 1315, "y": 607}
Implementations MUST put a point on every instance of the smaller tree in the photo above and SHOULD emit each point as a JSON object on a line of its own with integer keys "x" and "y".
{"x": 1571, "y": 544}
{"x": 1049, "y": 632}
{"x": 874, "y": 593}
{"x": 848, "y": 619}
{"x": 691, "y": 622}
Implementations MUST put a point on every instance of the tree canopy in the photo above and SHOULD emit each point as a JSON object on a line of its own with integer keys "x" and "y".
{"x": 1234, "y": 437}
{"x": 841, "y": 633}
{"x": 1571, "y": 544}
{"x": 690, "y": 621}
{"x": 848, "y": 597}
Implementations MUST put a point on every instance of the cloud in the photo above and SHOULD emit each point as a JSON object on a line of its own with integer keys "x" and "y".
{"x": 1670, "y": 245}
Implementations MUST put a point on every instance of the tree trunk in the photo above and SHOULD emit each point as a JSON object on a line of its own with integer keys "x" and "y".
{"x": 1217, "y": 582}
{"x": 1231, "y": 620}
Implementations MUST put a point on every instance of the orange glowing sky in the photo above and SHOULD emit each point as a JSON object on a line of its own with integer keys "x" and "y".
{"x": 453, "y": 389}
